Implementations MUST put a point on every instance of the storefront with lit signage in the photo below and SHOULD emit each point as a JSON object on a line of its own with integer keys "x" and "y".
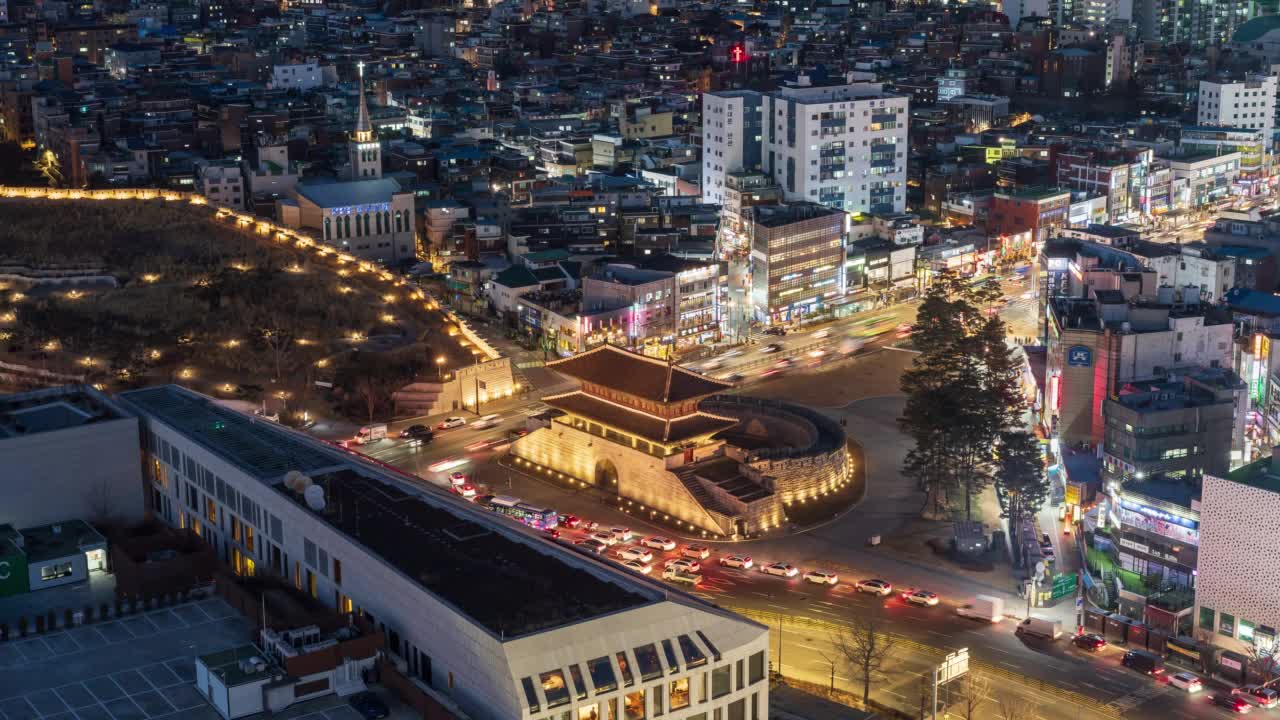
{"x": 1154, "y": 537}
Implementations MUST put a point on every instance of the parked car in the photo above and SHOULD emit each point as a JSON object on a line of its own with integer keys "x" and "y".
{"x": 780, "y": 569}
{"x": 686, "y": 564}
{"x": 593, "y": 546}
{"x": 369, "y": 706}
{"x": 1263, "y": 697}
{"x": 775, "y": 330}
{"x": 452, "y": 422}
{"x": 1230, "y": 702}
{"x": 605, "y": 537}
{"x": 1089, "y": 641}
{"x": 657, "y": 542}
{"x": 821, "y": 577}
{"x": 875, "y": 587}
{"x": 737, "y": 561}
{"x": 698, "y": 552}
{"x": 637, "y": 566}
{"x": 1186, "y": 681}
{"x": 920, "y": 597}
{"x": 630, "y": 552}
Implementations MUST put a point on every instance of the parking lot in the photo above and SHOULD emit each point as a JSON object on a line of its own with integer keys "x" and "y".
{"x": 136, "y": 668}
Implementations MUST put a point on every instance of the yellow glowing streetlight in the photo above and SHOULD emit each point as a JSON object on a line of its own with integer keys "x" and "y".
{"x": 52, "y": 346}
{"x": 439, "y": 367}
{"x": 186, "y": 373}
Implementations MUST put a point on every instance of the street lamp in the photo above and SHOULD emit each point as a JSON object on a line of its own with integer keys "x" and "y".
{"x": 440, "y": 367}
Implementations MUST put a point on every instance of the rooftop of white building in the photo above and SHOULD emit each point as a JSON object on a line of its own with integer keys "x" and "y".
{"x": 504, "y": 579}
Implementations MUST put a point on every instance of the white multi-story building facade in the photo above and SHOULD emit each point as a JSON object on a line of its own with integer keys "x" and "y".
{"x": 302, "y": 76}
{"x": 221, "y": 182}
{"x": 1237, "y": 588}
{"x": 844, "y": 147}
{"x": 481, "y": 610}
{"x": 730, "y": 138}
{"x": 1247, "y": 104}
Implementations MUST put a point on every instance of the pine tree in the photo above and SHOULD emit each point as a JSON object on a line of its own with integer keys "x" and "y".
{"x": 962, "y": 391}
{"x": 1021, "y": 485}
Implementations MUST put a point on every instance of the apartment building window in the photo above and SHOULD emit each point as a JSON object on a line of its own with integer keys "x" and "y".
{"x": 337, "y": 571}
{"x": 679, "y": 694}
{"x": 721, "y": 681}
{"x": 311, "y": 583}
{"x": 248, "y": 537}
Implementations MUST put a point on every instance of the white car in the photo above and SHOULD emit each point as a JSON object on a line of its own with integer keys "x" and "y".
{"x": 1186, "y": 681}
{"x": 637, "y": 566}
{"x": 621, "y": 534}
{"x": 487, "y": 421}
{"x": 821, "y": 577}
{"x": 875, "y": 587}
{"x": 780, "y": 569}
{"x": 920, "y": 597}
{"x": 688, "y": 565}
{"x": 657, "y": 542}
{"x": 453, "y": 422}
{"x": 605, "y": 537}
{"x": 466, "y": 490}
{"x": 457, "y": 478}
{"x": 697, "y": 552}
{"x": 822, "y": 334}
{"x": 634, "y": 553}
{"x": 737, "y": 561}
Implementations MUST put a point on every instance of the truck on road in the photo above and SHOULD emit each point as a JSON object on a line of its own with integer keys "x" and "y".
{"x": 1040, "y": 627}
{"x": 675, "y": 574}
{"x": 983, "y": 607}
{"x": 371, "y": 433}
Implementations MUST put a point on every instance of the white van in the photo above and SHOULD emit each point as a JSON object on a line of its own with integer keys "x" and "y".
{"x": 371, "y": 433}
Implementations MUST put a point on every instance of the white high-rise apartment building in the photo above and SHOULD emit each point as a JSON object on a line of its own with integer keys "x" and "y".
{"x": 730, "y": 138}
{"x": 843, "y": 146}
{"x": 1247, "y": 104}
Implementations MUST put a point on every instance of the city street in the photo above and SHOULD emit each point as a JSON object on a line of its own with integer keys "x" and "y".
{"x": 1064, "y": 681}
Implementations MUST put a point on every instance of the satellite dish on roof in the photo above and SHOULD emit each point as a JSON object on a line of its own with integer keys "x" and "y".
{"x": 314, "y": 495}
{"x": 296, "y": 481}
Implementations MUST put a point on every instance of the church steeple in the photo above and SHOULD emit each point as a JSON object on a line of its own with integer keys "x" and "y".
{"x": 365, "y": 150}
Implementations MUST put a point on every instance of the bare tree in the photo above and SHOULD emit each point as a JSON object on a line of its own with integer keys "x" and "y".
{"x": 372, "y": 387}
{"x": 975, "y": 691}
{"x": 1264, "y": 658}
{"x": 864, "y": 646}
{"x": 832, "y": 661}
{"x": 277, "y": 337}
{"x": 1016, "y": 708}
